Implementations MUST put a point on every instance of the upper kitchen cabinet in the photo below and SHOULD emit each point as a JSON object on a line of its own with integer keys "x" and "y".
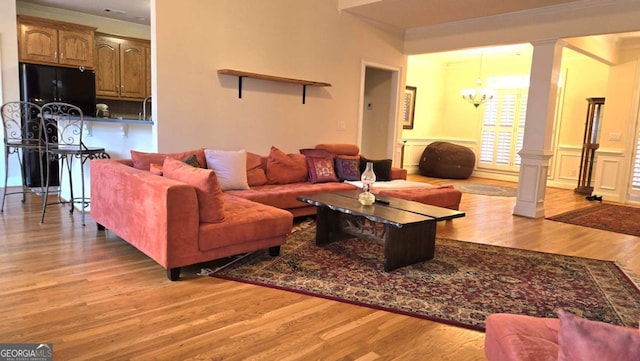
{"x": 122, "y": 70}
{"x": 43, "y": 41}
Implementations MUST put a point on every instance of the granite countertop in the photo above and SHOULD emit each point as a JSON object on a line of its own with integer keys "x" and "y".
{"x": 118, "y": 120}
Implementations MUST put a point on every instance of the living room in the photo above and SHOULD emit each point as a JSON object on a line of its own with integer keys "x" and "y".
{"x": 197, "y": 107}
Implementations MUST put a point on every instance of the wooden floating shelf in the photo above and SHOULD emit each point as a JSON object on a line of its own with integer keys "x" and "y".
{"x": 245, "y": 74}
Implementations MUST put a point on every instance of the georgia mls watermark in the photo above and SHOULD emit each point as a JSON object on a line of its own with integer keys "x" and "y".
{"x": 26, "y": 352}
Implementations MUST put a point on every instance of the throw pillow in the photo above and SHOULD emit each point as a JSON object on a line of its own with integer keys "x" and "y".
{"x": 142, "y": 160}
{"x": 382, "y": 168}
{"x": 192, "y": 161}
{"x": 255, "y": 170}
{"x": 582, "y": 339}
{"x": 155, "y": 168}
{"x": 347, "y": 167}
{"x": 321, "y": 170}
{"x": 317, "y": 153}
{"x": 208, "y": 192}
{"x": 230, "y": 167}
{"x": 286, "y": 168}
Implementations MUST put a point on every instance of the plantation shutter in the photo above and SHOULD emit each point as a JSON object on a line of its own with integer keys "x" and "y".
{"x": 635, "y": 180}
{"x": 503, "y": 130}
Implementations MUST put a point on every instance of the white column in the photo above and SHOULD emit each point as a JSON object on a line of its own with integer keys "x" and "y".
{"x": 536, "y": 148}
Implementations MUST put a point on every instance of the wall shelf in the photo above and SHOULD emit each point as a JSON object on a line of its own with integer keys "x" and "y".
{"x": 244, "y": 74}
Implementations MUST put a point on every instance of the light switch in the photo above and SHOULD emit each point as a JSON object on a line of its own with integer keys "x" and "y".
{"x": 341, "y": 125}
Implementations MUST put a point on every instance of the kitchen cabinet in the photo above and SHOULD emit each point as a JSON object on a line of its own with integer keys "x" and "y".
{"x": 122, "y": 70}
{"x": 43, "y": 41}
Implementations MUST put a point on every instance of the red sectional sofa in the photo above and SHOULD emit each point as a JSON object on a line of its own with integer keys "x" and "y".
{"x": 163, "y": 217}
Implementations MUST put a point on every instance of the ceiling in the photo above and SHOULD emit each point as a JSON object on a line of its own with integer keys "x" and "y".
{"x": 405, "y": 14}
{"x": 401, "y": 14}
{"x": 396, "y": 14}
{"x": 134, "y": 11}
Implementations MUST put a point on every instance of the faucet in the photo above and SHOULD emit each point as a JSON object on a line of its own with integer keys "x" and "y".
{"x": 144, "y": 108}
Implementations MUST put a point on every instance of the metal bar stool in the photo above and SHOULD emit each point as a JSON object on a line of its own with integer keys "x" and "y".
{"x": 22, "y": 134}
{"x": 62, "y": 125}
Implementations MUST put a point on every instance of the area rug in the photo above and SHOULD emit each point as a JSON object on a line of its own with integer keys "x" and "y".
{"x": 462, "y": 285}
{"x": 608, "y": 217}
{"x": 486, "y": 189}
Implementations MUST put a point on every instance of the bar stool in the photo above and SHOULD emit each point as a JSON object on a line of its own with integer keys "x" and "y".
{"x": 22, "y": 134}
{"x": 62, "y": 125}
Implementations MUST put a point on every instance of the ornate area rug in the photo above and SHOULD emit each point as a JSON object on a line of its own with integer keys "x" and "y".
{"x": 462, "y": 285}
{"x": 486, "y": 189}
{"x": 608, "y": 217}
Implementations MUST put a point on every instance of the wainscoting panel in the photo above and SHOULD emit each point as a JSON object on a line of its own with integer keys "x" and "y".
{"x": 609, "y": 169}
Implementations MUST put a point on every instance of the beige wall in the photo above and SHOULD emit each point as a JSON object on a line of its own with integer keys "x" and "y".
{"x": 8, "y": 52}
{"x": 290, "y": 38}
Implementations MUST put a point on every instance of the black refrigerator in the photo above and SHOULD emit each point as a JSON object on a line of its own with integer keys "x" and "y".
{"x": 41, "y": 84}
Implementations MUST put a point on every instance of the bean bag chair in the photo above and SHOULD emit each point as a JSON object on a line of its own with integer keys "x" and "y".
{"x": 447, "y": 160}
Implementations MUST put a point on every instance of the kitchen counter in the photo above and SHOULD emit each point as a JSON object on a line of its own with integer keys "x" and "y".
{"x": 118, "y": 120}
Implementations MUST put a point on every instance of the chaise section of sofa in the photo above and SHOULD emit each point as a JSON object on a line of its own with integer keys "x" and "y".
{"x": 160, "y": 217}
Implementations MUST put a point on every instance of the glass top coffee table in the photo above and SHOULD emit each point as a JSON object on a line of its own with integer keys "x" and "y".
{"x": 407, "y": 229}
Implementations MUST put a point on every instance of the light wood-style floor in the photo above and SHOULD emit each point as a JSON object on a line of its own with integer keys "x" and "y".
{"x": 95, "y": 297}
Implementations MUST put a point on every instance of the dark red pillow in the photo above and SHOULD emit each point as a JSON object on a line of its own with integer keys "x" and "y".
{"x": 321, "y": 170}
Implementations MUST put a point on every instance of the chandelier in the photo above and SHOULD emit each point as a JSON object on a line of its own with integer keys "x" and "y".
{"x": 477, "y": 95}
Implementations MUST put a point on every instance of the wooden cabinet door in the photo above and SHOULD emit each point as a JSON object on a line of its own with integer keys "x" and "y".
{"x": 133, "y": 79}
{"x": 38, "y": 44}
{"x": 107, "y": 67}
{"x": 75, "y": 48}
{"x": 148, "y": 69}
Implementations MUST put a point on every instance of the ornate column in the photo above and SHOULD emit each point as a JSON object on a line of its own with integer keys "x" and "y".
{"x": 536, "y": 148}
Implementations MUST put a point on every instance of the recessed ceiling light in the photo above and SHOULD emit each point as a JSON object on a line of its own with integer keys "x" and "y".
{"x": 121, "y": 12}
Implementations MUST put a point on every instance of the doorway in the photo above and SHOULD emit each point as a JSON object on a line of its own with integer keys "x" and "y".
{"x": 378, "y": 112}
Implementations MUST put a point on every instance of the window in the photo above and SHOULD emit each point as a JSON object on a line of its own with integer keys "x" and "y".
{"x": 503, "y": 130}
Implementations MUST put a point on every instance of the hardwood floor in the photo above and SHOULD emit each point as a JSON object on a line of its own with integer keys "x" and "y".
{"x": 95, "y": 297}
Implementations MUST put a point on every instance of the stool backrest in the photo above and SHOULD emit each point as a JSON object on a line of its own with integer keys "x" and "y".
{"x": 62, "y": 125}
{"x": 22, "y": 124}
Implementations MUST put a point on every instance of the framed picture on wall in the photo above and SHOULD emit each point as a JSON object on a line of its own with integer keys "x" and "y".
{"x": 409, "y": 107}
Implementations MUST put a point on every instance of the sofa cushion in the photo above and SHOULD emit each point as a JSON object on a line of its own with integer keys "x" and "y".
{"x": 580, "y": 339}
{"x": 230, "y": 167}
{"x": 245, "y": 222}
{"x": 521, "y": 338}
{"x": 321, "y": 169}
{"x": 205, "y": 182}
{"x": 347, "y": 167}
{"x": 340, "y": 149}
{"x": 142, "y": 160}
{"x": 284, "y": 196}
{"x": 286, "y": 168}
{"x": 256, "y": 175}
{"x": 382, "y": 168}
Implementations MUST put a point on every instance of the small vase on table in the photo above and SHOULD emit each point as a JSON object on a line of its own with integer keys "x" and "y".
{"x": 368, "y": 177}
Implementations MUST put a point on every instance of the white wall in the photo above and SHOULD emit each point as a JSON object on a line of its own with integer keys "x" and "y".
{"x": 289, "y": 38}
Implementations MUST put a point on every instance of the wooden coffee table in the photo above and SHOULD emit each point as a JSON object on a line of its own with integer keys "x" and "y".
{"x": 408, "y": 228}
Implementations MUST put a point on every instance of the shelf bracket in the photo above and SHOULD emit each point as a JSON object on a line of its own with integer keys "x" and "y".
{"x": 243, "y": 74}
{"x": 304, "y": 92}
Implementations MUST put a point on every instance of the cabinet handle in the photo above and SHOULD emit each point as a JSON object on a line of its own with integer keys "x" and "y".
{"x": 55, "y": 54}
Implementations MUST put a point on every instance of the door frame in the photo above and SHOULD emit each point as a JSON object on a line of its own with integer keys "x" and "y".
{"x": 394, "y": 144}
